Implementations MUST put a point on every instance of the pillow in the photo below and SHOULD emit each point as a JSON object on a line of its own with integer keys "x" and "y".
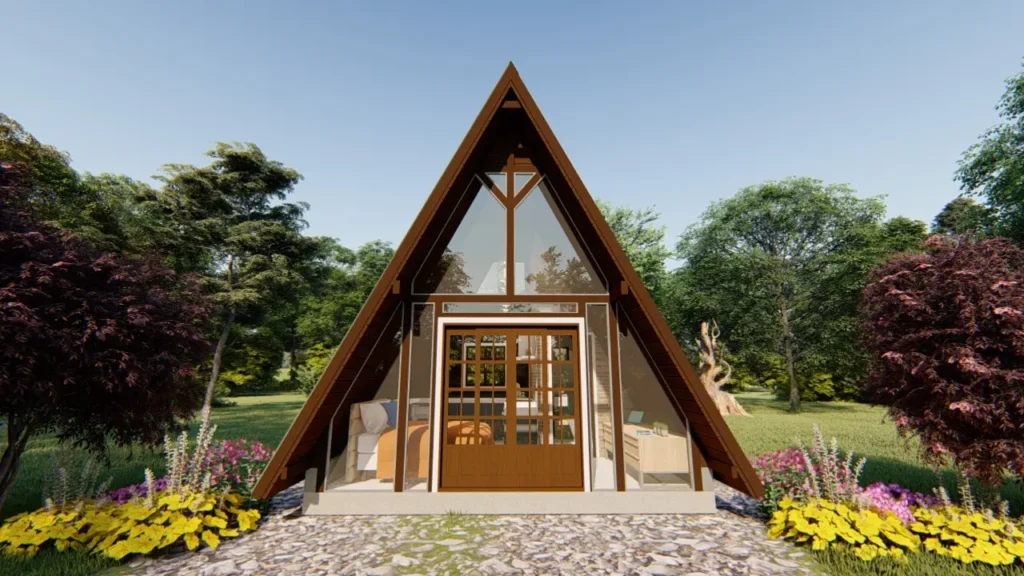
{"x": 374, "y": 417}
{"x": 391, "y": 407}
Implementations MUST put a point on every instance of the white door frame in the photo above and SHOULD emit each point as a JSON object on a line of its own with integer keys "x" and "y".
{"x": 440, "y": 365}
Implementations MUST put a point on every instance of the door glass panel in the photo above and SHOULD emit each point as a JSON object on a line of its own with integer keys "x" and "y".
{"x": 455, "y": 348}
{"x": 498, "y": 430}
{"x": 567, "y": 375}
{"x": 546, "y": 247}
{"x": 455, "y": 403}
{"x": 569, "y": 403}
{"x": 469, "y": 348}
{"x": 469, "y": 380}
{"x": 564, "y": 432}
{"x": 486, "y": 347}
{"x": 455, "y": 375}
{"x": 561, "y": 348}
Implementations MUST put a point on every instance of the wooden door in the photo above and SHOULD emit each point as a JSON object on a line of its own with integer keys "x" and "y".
{"x": 512, "y": 410}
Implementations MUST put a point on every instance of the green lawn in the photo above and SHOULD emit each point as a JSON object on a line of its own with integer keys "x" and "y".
{"x": 263, "y": 418}
{"x": 858, "y": 427}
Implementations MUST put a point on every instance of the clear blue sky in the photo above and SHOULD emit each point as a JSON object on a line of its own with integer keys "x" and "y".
{"x": 670, "y": 104}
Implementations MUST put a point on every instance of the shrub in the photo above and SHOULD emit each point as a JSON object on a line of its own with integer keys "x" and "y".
{"x": 799, "y": 473}
{"x": 60, "y": 488}
{"x": 313, "y": 365}
{"x": 96, "y": 348}
{"x": 946, "y": 333}
{"x": 233, "y": 465}
{"x": 116, "y": 531}
{"x": 895, "y": 499}
{"x": 237, "y": 464}
{"x": 140, "y": 490}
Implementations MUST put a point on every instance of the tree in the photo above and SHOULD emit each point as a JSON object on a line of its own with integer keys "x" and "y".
{"x": 752, "y": 260}
{"x": 94, "y": 347}
{"x": 642, "y": 240}
{"x": 833, "y": 362}
{"x": 49, "y": 184}
{"x": 946, "y": 334}
{"x": 963, "y": 216}
{"x": 229, "y": 227}
{"x": 994, "y": 166}
{"x": 332, "y": 304}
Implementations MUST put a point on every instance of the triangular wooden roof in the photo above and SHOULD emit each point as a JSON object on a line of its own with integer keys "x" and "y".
{"x": 719, "y": 447}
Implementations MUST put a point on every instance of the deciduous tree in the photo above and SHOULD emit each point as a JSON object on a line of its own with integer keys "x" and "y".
{"x": 94, "y": 347}
{"x": 233, "y": 226}
{"x": 994, "y": 166}
{"x": 756, "y": 262}
{"x": 945, "y": 331}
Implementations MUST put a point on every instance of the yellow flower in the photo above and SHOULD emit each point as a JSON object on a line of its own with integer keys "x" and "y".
{"x": 214, "y": 522}
{"x": 1015, "y": 547}
{"x": 228, "y": 532}
{"x": 40, "y": 521}
{"x": 211, "y": 539}
{"x": 192, "y": 541}
{"x": 784, "y": 504}
{"x": 866, "y": 552}
{"x": 247, "y": 520}
{"x": 990, "y": 554}
{"x": 118, "y": 550}
{"x": 135, "y": 512}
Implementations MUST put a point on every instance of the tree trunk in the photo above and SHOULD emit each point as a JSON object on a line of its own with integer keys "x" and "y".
{"x": 17, "y": 438}
{"x": 711, "y": 368}
{"x": 215, "y": 372}
{"x": 787, "y": 347}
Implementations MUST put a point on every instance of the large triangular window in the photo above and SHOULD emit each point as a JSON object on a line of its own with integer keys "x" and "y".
{"x": 473, "y": 262}
{"x": 546, "y": 248}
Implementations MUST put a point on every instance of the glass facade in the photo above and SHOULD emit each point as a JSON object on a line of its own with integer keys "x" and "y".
{"x": 473, "y": 262}
{"x": 602, "y": 423}
{"x": 421, "y": 370}
{"x": 545, "y": 246}
{"x": 655, "y": 440}
{"x": 368, "y": 430}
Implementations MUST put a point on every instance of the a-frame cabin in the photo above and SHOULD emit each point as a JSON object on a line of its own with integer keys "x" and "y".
{"x": 550, "y": 386}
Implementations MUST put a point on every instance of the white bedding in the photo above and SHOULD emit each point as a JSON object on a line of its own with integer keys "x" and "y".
{"x": 366, "y": 452}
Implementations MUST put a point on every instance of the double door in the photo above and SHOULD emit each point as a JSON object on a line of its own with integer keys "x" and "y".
{"x": 511, "y": 409}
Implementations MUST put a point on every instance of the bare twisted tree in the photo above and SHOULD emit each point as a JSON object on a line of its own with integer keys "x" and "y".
{"x": 712, "y": 363}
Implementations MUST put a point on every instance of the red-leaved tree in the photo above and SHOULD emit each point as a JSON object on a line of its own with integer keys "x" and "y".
{"x": 96, "y": 348}
{"x": 946, "y": 332}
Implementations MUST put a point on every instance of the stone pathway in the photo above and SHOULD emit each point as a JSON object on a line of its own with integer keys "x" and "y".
{"x": 729, "y": 542}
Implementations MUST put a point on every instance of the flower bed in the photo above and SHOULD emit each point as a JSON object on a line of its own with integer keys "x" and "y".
{"x": 116, "y": 530}
{"x": 235, "y": 465}
{"x": 812, "y": 498}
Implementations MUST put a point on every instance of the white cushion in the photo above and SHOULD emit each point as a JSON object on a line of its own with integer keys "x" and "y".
{"x": 374, "y": 417}
{"x": 366, "y": 462}
{"x": 367, "y": 443}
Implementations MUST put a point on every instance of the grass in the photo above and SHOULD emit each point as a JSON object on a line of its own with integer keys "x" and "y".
{"x": 845, "y": 563}
{"x": 858, "y": 427}
{"x": 50, "y": 562}
{"x": 263, "y": 418}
